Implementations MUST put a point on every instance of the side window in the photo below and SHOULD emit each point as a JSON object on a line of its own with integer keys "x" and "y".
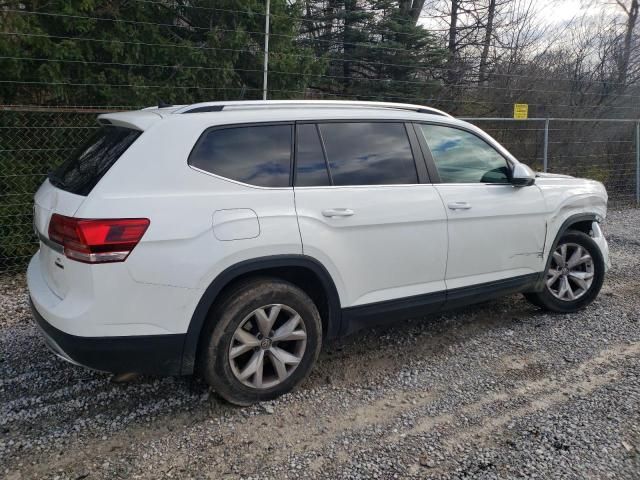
{"x": 368, "y": 153}
{"x": 311, "y": 166}
{"x": 461, "y": 157}
{"x": 257, "y": 155}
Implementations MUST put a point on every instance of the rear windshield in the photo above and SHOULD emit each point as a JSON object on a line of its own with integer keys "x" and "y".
{"x": 82, "y": 171}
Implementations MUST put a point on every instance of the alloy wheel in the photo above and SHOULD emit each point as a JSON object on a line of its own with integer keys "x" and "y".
{"x": 570, "y": 273}
{"x": 267, "y": 346}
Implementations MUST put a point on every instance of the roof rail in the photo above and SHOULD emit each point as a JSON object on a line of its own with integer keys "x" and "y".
{"x": 219, "y": 106}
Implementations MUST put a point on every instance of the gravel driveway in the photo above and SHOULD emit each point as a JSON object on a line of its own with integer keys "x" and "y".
{"x": 500, "y": 390}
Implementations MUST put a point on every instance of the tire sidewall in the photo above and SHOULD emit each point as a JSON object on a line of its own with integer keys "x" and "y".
{"x": 585, "y": 241}
{"x": 217, "y": 368}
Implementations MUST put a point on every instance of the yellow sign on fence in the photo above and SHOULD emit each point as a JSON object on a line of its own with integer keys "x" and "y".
{"x": 521, "y": 110}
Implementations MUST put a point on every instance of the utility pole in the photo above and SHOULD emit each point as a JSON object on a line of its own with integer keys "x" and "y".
{"x": 266, "y": 52}
{"x": 545, "y": 157}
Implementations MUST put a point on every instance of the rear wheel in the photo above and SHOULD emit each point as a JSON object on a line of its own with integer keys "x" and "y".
{"x": 262, "y": 341}
{"x": 574, "y": 275}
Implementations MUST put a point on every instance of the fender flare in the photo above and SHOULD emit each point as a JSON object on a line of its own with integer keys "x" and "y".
{"x": 199, "y": 317}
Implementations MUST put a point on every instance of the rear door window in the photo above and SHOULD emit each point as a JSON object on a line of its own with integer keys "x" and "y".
{"x": 311, "y": 166}
{"x": 374, "y": 153}
{"x": 258, "y": 155}
{"x": 81, "y": 172}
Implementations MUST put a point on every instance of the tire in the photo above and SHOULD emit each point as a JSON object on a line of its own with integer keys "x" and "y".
{"x": 560, "y": 270}
{"x": 228, "y": 344}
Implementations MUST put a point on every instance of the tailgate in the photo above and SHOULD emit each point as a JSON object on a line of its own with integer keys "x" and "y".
{"x": 50, "y": 200}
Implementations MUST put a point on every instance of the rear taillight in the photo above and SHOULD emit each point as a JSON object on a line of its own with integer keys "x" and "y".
{"x": 97, "y": 240}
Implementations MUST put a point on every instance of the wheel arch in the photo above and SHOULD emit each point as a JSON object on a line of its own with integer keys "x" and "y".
{"x": 287, "y": 267}
{"x": 579, "y": 221}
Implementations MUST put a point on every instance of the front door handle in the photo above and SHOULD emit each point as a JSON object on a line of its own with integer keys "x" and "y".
{"x": 337, "y": 212}
{"x": 459, "y": 206}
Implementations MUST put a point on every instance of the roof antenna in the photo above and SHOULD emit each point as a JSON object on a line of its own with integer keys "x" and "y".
{"x": 163, "y": 104}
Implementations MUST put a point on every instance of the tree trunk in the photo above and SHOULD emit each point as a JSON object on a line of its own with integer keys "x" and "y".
{"x": 453, "y": 31}
{"x": 348, "y": 42}
{"x": 411, "y": 9}
{"x": 625, "y": 55}
{"x": 482, "y": 75}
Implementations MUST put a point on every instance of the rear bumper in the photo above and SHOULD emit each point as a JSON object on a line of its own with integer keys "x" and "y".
{"x": 148, "y": 354}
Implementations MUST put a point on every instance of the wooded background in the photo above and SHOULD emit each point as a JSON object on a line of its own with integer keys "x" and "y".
{"x": 61, "y": 62}
{"x": 469, "y": 57}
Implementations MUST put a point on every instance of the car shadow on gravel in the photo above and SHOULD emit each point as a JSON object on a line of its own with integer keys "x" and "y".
{"x": 49, "y": 408}
{"x": 435, "y": 333}
{"x": 44, "y": 398}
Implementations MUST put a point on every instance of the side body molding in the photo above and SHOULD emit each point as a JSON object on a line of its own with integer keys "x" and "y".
{"x": 210, "y": 295}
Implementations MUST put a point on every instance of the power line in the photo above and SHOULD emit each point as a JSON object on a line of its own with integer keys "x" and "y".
{"x": 123, "y": 42}
{"x": 116, "y": 85}
{"x": 189, "y": 47}
{"x": 416, "y": 66}
{"x": 190, "y": 27}
{"x": 515, "y": 90}
{"x": 122, "y": 64}
{"x": 301, "y": 92}
{"x": 291, "y": 17}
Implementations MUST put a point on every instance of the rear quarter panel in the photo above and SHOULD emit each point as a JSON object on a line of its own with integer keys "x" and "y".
{"x": 153, "y": 180}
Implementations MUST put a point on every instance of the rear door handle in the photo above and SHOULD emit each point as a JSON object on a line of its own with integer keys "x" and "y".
{"x": 337, "y": 212}
{"x": 459, "y": 206}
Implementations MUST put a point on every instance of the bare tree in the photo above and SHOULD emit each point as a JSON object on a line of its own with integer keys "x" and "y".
{"x": 473, "y": 28}
{"x": 488, "y": 35}
{"x": 631, "y": 11}
{"x": 411, "y": 9}
{"x": 453, "y": 44}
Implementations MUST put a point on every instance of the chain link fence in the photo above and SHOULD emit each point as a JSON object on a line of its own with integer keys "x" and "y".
{"x": 600, "y": 149}
{"x": 31, "y": 144}
{"x": 33, "y": 141}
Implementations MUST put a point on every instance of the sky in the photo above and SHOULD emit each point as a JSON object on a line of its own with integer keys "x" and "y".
{"x": 551, "y": 16}
{"x": 560, "y": 11}
{"x": 556, "y": 12}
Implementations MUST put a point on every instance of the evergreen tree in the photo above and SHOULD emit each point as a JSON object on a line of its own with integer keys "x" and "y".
{"x": 375, "y": 49}
{"x": 132, "y": 53}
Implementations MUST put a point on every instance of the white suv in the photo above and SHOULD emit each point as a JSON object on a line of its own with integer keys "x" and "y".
{"x": 233, "y": 238}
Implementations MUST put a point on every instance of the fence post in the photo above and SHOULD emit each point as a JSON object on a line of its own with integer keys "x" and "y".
{"x": 545, "y": 159}
{"x": 637, "y": 163}
{"x": 266, "y": 52}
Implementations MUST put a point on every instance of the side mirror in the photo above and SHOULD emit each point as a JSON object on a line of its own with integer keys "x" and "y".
{"x": 522, "y": 176}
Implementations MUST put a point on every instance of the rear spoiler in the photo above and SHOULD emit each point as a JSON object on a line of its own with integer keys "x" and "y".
{"x": 137, "y": 120}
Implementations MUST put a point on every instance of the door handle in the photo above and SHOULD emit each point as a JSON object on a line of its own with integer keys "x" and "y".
{"x": 338, "y": 212}
{"x": 459, "y": 206}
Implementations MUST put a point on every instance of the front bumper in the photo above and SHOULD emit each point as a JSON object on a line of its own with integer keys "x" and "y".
{"x": 148, "y": 354}
{"x": 598, "y": 237}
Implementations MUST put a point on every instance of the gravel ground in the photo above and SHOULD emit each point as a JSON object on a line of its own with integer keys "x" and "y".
{"x": 500, "y": 390}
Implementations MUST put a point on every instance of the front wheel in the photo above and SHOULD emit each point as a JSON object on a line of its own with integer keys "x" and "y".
{"x": 262, "y": 340}
{"x": 574, "y": 275}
